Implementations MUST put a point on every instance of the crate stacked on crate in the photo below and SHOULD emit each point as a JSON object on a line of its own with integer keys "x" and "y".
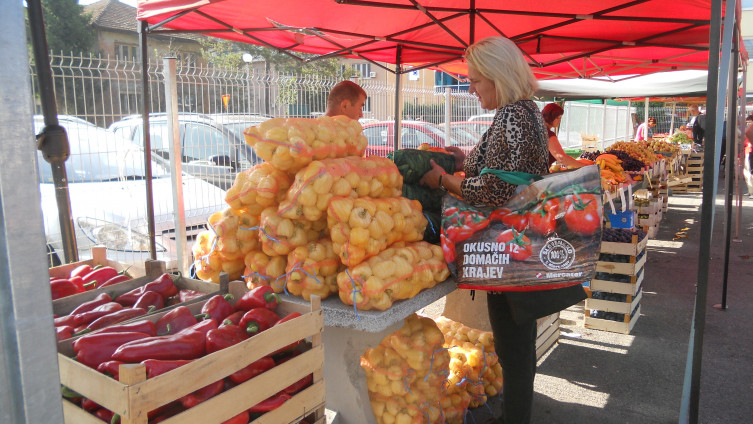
{"x": 648, "y": 209}
{"x": 614, "y": 301}
{"x": 134, "y": 394}
{"x": 693, "y": 171}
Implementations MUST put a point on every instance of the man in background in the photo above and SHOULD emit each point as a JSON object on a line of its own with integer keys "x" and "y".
{"x": 346, "y": 98}
{"x": 699, "y": 126}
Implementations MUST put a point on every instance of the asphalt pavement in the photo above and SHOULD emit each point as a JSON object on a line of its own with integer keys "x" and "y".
{"x": 593, "y": 376}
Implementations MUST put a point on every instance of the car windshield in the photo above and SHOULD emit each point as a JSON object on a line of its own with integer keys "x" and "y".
{"x": 237, "y": 128}
{"x": 97, "y": 155}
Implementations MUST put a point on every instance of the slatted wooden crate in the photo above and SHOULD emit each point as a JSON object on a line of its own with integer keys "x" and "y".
{"x": 631, "y": 286}
{"x": 99, "y": 257}
{"x": 134, "y": 396}
{"x": 623, "y": 327}
{"x": 625, "y": 307}
{"x": 632, "y": 267}
{"x": 547, "y": 333}
{"x": 154, "y": 269}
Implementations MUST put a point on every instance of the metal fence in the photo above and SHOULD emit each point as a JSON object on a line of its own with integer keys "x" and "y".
{"x": 106, "y": 92}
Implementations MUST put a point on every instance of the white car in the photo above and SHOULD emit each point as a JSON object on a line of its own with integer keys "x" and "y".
{"x": 107, "y": 191}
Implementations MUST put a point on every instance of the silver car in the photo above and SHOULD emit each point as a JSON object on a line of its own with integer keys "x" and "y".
{"x": 213, "y": 148}
{"x": 107, "y": 190}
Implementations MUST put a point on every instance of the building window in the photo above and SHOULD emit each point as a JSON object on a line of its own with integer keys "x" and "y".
{"x": 443, "y": 80}
{"x": 126, "y": 52}
{"x": 363, "y": 70}
{"x": 367, "y": 105}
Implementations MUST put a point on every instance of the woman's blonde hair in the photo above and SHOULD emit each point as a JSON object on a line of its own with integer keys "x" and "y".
{"x": 500, "y": 60}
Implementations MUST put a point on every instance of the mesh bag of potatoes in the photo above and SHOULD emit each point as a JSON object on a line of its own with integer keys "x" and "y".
{"x": 312, "y": 270}
{"x": 257, "y": 188}
{"x": 474, "y": 365}
{"x": 362, "y": 227}
{"x": 264, "y": 270}
{"x": 406, "y": 372}
{"x": 352, "y": 176}
{"x": 232, "y": 234}
{"x": 398, "y": 272}
{"x": 279, "y": 236}
{"x": 292, "y": 143}
{"x": 209, "y": 261}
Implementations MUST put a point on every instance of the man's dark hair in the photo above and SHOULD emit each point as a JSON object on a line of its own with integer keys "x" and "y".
{"x": 344, "y": 90}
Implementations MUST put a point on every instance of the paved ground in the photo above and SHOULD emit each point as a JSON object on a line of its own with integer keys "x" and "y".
{"x": 594, "y": 376}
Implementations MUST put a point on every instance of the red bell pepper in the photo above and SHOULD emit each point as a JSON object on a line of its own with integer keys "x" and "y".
{"x": 106, "y": 415}
{"x": 175, "y": 320}
{"x": 148, "y": 299}
{"x": 252, "y": 370}
{"x": 299, "y": 385}
{"x": 63, "y": 287}
{"x": 78, "y": 281}
{"x": 111, "y": 368}
{"x": 64, "y": 332}
{"x": 93, "y": 349}
{"x": 189, "y": 343}
{"x": 258, "y": 297}
{"x": 218, "y": 307}
{"x": 185, "y": 295}
{"x": 164, "y": 412}
{"x": 71, "y": 395}
{"x": 100, "y": 275}
{"x": 241, "y": 418}
{"x": 81, "y": 270}
{"x": 141, "y": 326}
{"x": 257, "y": 320}
{"x": 226, "y": 336}
{"x": 163, "y": 285}
{"x": 192, "y": 399}
{"x": 287, "y": 318}
{"x": 101, "y": 299}
{"x": 83, "y": 319}
{"x": 65, "y": 320}
{"x": 115, "y": 280}
{"x": 270, "y": 403}
{"x": 155, "y": 367}
{"x": 118, "y": 316}
{"x": 233, "y": 319}
{"x": 90, "y": 405}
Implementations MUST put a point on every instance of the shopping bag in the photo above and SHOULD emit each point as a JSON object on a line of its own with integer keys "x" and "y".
{"x": 548, "y": 235}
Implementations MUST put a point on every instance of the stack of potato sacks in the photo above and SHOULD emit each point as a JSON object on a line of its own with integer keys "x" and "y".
{"x": 316, "y": 218}
{"x": 431, "y": 372}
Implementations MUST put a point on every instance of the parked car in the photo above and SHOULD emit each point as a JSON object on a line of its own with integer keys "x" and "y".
{"x": 212, "y": 149}
{"x": 412, "y": 134}
{"x": 482, "y": 117}
{"x": 476, "y": 129}
{"x": 107, "y": 194}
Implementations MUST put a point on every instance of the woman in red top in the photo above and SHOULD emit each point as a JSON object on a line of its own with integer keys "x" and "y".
{"x": 748, "y": 166}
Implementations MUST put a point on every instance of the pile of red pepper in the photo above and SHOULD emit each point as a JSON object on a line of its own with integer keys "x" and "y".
{"x": 103, "y": 310}
{"x": 84, "y": 278}
{"x": 179, "y": 337}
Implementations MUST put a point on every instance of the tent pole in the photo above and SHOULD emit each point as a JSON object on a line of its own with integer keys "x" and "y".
{"x": 447, "y": 115}
{"x": 147, "y": 140}
{"x": 629, "y": 122}
{"x": 645, "y": 114}
{"x": 715, "y": 89}
{"x": 729, "y": 167}
{"x": 604, "y": 124}
{"x": 398, "y": 77}
{"x": 672, "y": 120}
{"x": 741, "y": 154}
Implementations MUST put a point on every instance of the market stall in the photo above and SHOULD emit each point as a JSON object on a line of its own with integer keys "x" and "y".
{"x": 582, "y": 51}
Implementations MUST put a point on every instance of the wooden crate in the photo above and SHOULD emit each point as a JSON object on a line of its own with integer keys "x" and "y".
{"x": 99, "y": 257}
{"x": 630, "y": 249}
{"x": 627, "y": 268}
{"x": 650, "y": 219}
{"x": 613, "y": 306}
{"x": 154, "y": 269}
{"x": 547, "y": 333}
{"x": 133, "y": 396}
{"x": 612, "y": 326}
{"x": 631, "y": 287}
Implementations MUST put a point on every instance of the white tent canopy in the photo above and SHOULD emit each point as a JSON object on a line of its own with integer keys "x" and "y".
{"x": 689, "y": 83}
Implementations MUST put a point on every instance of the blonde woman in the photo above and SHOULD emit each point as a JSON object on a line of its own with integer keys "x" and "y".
{"x": 517, "y": 140}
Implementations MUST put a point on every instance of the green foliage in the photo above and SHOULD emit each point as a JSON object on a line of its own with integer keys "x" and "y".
{"x": 67, "y": 27}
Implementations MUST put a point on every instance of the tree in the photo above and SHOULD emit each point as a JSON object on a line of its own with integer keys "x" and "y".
{"x": 67, "y": 26}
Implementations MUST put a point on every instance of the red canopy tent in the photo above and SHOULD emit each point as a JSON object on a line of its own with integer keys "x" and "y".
{"x": 606, "y": 39}
{"x": 573, "y": 39}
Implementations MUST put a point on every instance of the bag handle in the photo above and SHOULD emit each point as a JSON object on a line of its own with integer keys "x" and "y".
{"x": 512, "y": 177}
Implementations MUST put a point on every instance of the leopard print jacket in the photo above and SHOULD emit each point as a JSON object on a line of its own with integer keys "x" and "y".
{"x": 516, "y": 141}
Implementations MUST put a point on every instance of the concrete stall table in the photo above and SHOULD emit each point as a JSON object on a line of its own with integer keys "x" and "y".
{"x": 347, "y": 334}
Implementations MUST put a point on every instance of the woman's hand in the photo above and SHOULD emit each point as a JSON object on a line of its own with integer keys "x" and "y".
{"x": 459, "y": 156}
{"x": 431, "y": 178}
